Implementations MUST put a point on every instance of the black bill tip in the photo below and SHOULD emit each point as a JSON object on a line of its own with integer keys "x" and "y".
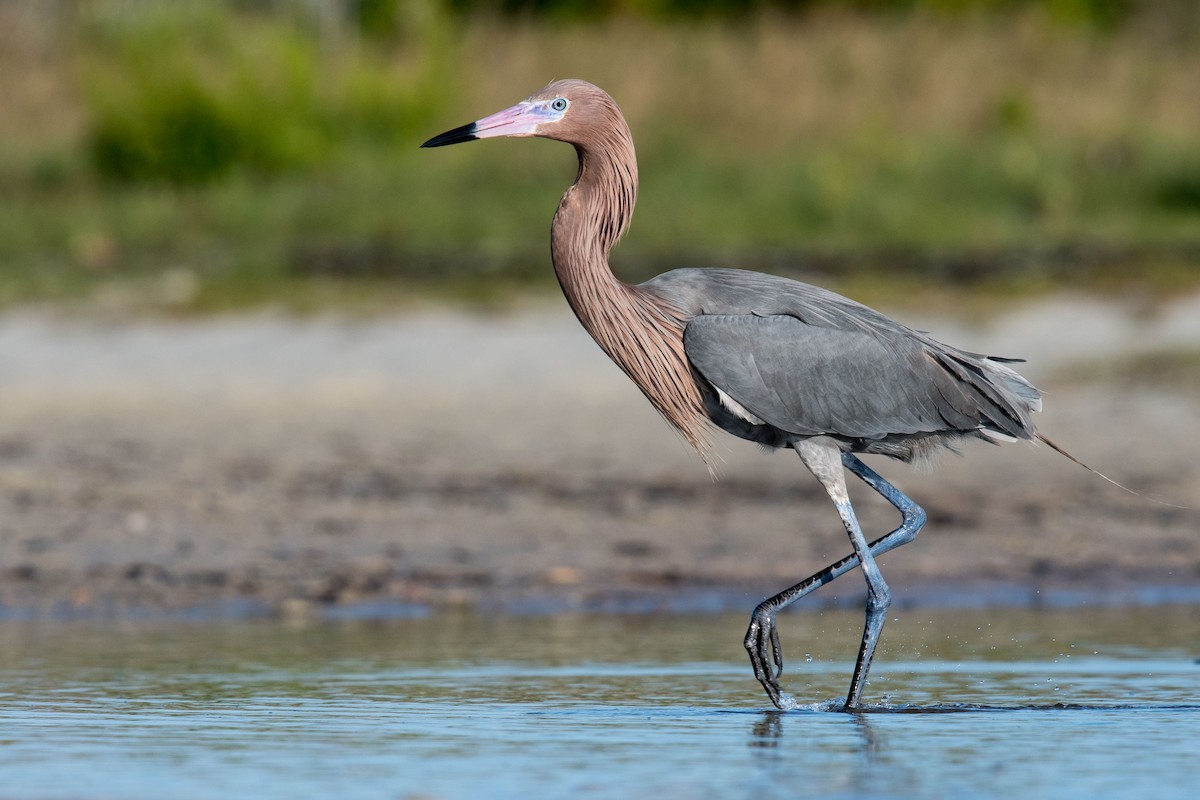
{"x": 466, "y": 133}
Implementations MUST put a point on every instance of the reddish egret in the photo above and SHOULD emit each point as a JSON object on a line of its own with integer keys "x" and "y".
{"x": 771, "y": 360}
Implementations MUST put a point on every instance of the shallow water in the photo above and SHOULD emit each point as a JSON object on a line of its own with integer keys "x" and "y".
{"x": 998, "y": 703}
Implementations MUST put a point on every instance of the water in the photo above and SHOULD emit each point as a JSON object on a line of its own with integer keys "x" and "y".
{"x": 998, "y": 703}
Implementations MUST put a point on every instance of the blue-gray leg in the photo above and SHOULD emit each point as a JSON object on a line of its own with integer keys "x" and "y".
{"x": 762, "y": 637}
{"x": 879, "y": 598}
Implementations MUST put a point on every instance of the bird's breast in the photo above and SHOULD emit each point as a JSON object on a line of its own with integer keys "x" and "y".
{"x": 643, "y": 335}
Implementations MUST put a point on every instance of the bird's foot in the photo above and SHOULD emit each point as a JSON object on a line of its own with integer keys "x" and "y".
{"x": 766, "y": 656}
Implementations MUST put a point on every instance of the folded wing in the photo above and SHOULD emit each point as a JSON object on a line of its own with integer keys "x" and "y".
{"x": 852, "y": 382}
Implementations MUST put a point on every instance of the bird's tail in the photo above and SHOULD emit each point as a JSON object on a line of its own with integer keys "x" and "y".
{"x": 1094, "y": 471}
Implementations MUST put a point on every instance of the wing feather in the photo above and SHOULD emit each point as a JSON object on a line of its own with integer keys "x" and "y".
{"x": 808, "y": 379}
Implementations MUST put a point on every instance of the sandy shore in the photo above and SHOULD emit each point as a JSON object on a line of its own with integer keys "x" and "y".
{"x": 273, "y": 465}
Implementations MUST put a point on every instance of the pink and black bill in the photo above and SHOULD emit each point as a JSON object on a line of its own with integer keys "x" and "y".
{"x": 526, "y": 118}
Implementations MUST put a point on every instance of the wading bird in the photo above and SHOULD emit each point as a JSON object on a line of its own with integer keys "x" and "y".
{"x": 765, "y": 358}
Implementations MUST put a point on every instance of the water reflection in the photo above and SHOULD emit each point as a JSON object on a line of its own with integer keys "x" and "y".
{"x": 464, "y": 706}
{"x": 1113, "y": 751}
{"x": 767, "y": 730}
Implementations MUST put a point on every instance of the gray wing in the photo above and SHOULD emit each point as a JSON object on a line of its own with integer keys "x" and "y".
{"x": 811, "y": 379}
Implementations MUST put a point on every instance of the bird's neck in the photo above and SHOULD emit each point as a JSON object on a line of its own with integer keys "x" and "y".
{"x": 591, "y": 217}
{"x": 639, "y": 330}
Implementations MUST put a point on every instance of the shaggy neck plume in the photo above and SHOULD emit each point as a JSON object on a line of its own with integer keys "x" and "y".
{"x": 639, "y": 331}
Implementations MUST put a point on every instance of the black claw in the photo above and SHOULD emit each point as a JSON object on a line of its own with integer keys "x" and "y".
{"x": 762, "y": 643}
{"x": 776, "y": 651}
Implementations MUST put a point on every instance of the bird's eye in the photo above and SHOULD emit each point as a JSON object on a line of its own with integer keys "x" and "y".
{"x": 559, "y": 104}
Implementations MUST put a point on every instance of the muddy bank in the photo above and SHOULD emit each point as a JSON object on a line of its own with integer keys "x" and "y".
{"x": 266, "y": 465}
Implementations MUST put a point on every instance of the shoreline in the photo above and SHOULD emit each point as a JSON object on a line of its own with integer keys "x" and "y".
{"x": 686, "y": 600}
{"x": 320, "y": 468}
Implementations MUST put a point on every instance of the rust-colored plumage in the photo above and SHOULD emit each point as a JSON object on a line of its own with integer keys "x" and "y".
{"x": 770, "y": 360}
{"x": 639, "y": 330}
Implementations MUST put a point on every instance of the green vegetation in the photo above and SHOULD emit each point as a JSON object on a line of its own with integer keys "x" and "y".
{"x": 193, "y": 156}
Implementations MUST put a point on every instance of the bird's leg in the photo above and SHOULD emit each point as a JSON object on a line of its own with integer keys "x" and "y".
{"x": 879, "y": 597}
{"x": 762, "y": 637}
{"x": 914, "y": 515}
{"x": 877, "y": 600}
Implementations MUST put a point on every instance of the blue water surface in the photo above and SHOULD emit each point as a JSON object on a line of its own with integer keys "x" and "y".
{"x": 983, "y": 704}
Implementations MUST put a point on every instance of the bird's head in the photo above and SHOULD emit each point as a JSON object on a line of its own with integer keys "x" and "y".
{"x": 562, "y": 110}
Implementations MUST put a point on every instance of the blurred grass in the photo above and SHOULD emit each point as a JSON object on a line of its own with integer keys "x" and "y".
{"x": 204, "y": 156}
